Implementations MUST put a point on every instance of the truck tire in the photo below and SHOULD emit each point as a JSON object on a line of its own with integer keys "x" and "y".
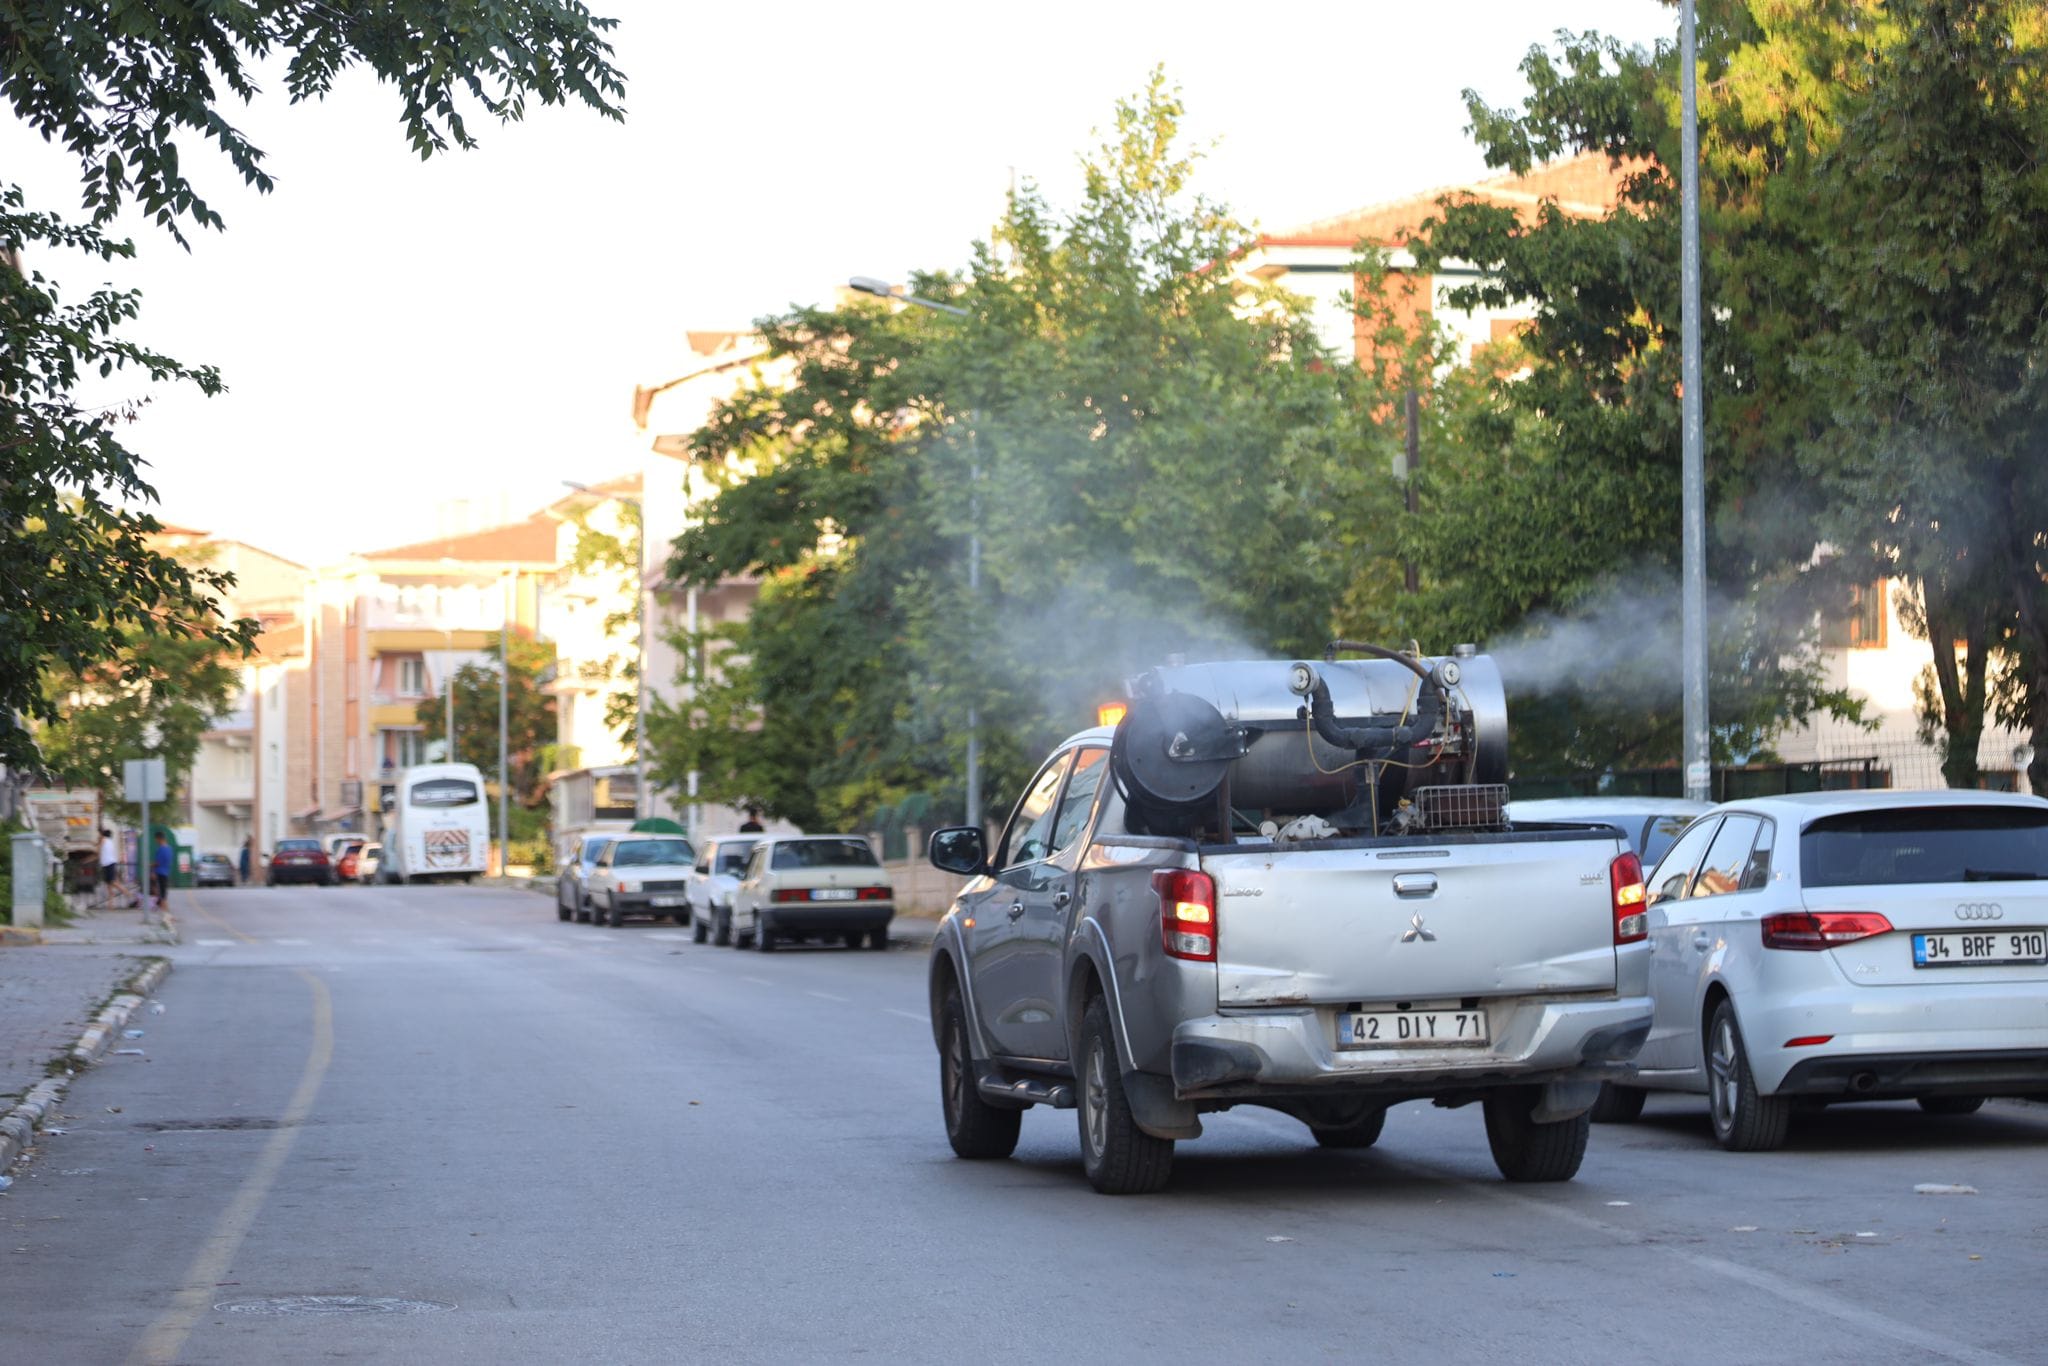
{"x": 699, "y": 930}
{"x": 1359, "y": 1134}
{"x": 976, "y": 1129}
{"x": 1744, "y": 1120}
{"x": 1118, "y": 1156}
{"x": 613, "y": 916}
{"x": 722, "y": 934}
{"x": 1525, "y": 1150}
{"x": 764, "y": 938}
{"x": 878, "y": 939}
{"x": 1619, "y": 1104}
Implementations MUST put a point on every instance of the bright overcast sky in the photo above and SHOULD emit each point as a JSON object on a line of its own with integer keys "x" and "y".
{"x": 396, "y": 333}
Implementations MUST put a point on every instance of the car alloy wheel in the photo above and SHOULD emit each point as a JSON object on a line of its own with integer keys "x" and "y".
{"x": 1745, "y": 1121}
{"x": 1095, "y": 1103}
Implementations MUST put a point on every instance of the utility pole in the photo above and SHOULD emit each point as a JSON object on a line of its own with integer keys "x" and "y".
{"x": 504, "y": 726}
{"x": 1412, "y": 407}
{"x": 1693, "y": 490}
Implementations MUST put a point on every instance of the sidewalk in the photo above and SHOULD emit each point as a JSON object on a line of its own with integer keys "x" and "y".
{"x": 50, "y": 994}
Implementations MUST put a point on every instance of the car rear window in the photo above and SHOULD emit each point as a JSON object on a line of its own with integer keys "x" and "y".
{"x": 1925, "y": 844}
{"x": 298, "y": 846}
{"x": 642, "y": 853}
{"x": 847, "y": 853}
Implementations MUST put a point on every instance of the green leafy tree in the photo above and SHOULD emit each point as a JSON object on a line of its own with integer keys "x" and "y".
{"x": 1929, "y": 349}
{"x": 154, "y": 698}
{"x": 1557, "y": 519}
{"x": 530, "y": 717}
{"x": 129, "y": 89}
{"x": 1152, "y": 456}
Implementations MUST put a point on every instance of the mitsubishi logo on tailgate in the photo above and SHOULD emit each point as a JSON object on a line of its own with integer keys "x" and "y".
{"x": 1980, "y": 910}
{"x": 1415, "y": 931}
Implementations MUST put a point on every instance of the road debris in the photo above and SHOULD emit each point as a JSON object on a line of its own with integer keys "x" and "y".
{"x": 1278, "y": 1238}
{"x": 128, "y": 1053}
{"x": 5, "y": 1182}
{"x": 131, "y": 1033}
{"x": 1938, "y": 1188}
{"x": 1617, "y": 1204}
{"x": 1743, "y": 1228}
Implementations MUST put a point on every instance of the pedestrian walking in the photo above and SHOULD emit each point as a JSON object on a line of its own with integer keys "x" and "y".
{"x": 110, "y": 866}
{"x": 160, "y": 870}
{"x": 243, "y": 869}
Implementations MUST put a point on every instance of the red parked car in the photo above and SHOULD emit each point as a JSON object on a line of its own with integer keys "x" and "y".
{"x": 300, "y": 861}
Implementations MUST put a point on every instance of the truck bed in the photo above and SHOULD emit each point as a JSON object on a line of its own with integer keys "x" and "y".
{"x": 1412, "y": 918}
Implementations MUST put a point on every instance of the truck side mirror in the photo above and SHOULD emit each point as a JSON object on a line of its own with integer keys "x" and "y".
{"x": 959, "y": 849}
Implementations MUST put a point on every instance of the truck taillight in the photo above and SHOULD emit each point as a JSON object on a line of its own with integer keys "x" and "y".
{"x": 1625, "y": 876}
{"x": 1187, "y": 914}
{"x": 1812, "y": 931}
{"x": 875, "y": 894}
{"x": 790, "y": 894}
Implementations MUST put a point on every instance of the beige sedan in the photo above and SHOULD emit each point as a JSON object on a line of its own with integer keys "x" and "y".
{"x": 828, "y": 887}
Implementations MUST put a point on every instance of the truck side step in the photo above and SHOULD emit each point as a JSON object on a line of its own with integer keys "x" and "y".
{"x": 1030, "y": 1089}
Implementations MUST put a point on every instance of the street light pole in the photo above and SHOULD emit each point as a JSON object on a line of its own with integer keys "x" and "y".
{"x": 882, "y": 289}
{"x": 448, "y": 682}
{"x": 504, "y": 725}
{"x": 1692, "y": 475}
{"x": 640, "y": 668}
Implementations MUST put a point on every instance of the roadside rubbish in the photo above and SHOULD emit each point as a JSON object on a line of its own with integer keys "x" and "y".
{"x": 1279, "y": 1238}
{"x": 1937, "y": 1188}
{"x": 131, "y": 1033}
{"x": 5, "y": 1182}
{"x": 1617, "y": 1204}
{"x": 127, "y": 1052}
{"x": 156, "y": 1007}
{"x": 1743, "y": 1228}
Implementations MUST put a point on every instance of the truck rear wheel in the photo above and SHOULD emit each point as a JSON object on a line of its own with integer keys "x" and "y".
{"x": 1361, "y": 1133}
{"x": 1619, "y": 1104}
{"x": 1525, "y": 1150}
{"x": 1118, "y": 1156}
{"x": 976, "y": 1129}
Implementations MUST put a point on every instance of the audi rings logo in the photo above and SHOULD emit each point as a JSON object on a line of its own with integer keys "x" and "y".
{"x": 1980, "y": 910}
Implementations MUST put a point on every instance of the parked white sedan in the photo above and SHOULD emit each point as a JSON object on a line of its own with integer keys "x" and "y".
{"x": 720, "y": 864}
{"x": 641, "y": 875}
{"x": 1840, "y": 946}
{"x": 813, "y": 887}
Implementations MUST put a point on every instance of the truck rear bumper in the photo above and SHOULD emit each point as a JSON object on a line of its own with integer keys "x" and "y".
{"x": 1293, "y": 1051}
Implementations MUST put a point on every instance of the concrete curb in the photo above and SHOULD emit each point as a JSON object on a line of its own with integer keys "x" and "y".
{"x": 18, "y": 1126}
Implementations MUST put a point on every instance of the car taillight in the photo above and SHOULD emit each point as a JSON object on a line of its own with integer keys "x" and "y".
{"x": 1812, "y": 930}
{"x": 875, "y": 893}
{"x": 1625, "y": 876}
{"x": 789, "y": 894}
{"x": 1187, "y": 914}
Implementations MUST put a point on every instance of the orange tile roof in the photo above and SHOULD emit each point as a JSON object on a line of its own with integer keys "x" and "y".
{"x": 1587, "y": 185}
{"x": 528, "y": 542}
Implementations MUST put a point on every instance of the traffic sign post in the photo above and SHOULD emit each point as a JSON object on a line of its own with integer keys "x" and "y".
{"x": 142, "y": 781}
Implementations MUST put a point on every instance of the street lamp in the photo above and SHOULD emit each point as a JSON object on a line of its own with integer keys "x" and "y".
{"x": 868, "y": 284}
{"x": 640, "y": 630}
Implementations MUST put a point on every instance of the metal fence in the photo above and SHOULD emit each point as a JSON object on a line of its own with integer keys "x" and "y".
{"x": 1841, "y": 766}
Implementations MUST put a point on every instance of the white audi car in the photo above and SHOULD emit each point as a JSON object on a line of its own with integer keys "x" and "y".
{"x": 1838, "y": 946}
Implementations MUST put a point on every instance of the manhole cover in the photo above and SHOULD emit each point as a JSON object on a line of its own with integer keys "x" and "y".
{"x": 331, "y": 1304}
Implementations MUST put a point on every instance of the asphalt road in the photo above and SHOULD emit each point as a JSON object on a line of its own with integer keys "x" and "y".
{"x": 436, "y": 1125}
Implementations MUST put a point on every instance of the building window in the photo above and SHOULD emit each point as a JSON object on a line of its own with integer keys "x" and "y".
{"x": 1862, "y": 626}
{"x": 411, "y": 749}
{"x": 412, "y": 677}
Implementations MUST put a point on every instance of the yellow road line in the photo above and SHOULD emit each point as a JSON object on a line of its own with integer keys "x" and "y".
{"x": 166, "y": 1337}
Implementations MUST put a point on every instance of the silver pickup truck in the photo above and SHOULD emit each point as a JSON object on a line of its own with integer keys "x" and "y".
{"x": 1287, "y": 884}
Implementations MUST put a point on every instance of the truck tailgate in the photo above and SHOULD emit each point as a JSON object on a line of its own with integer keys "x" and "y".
{"x": 1321, "y": 925}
